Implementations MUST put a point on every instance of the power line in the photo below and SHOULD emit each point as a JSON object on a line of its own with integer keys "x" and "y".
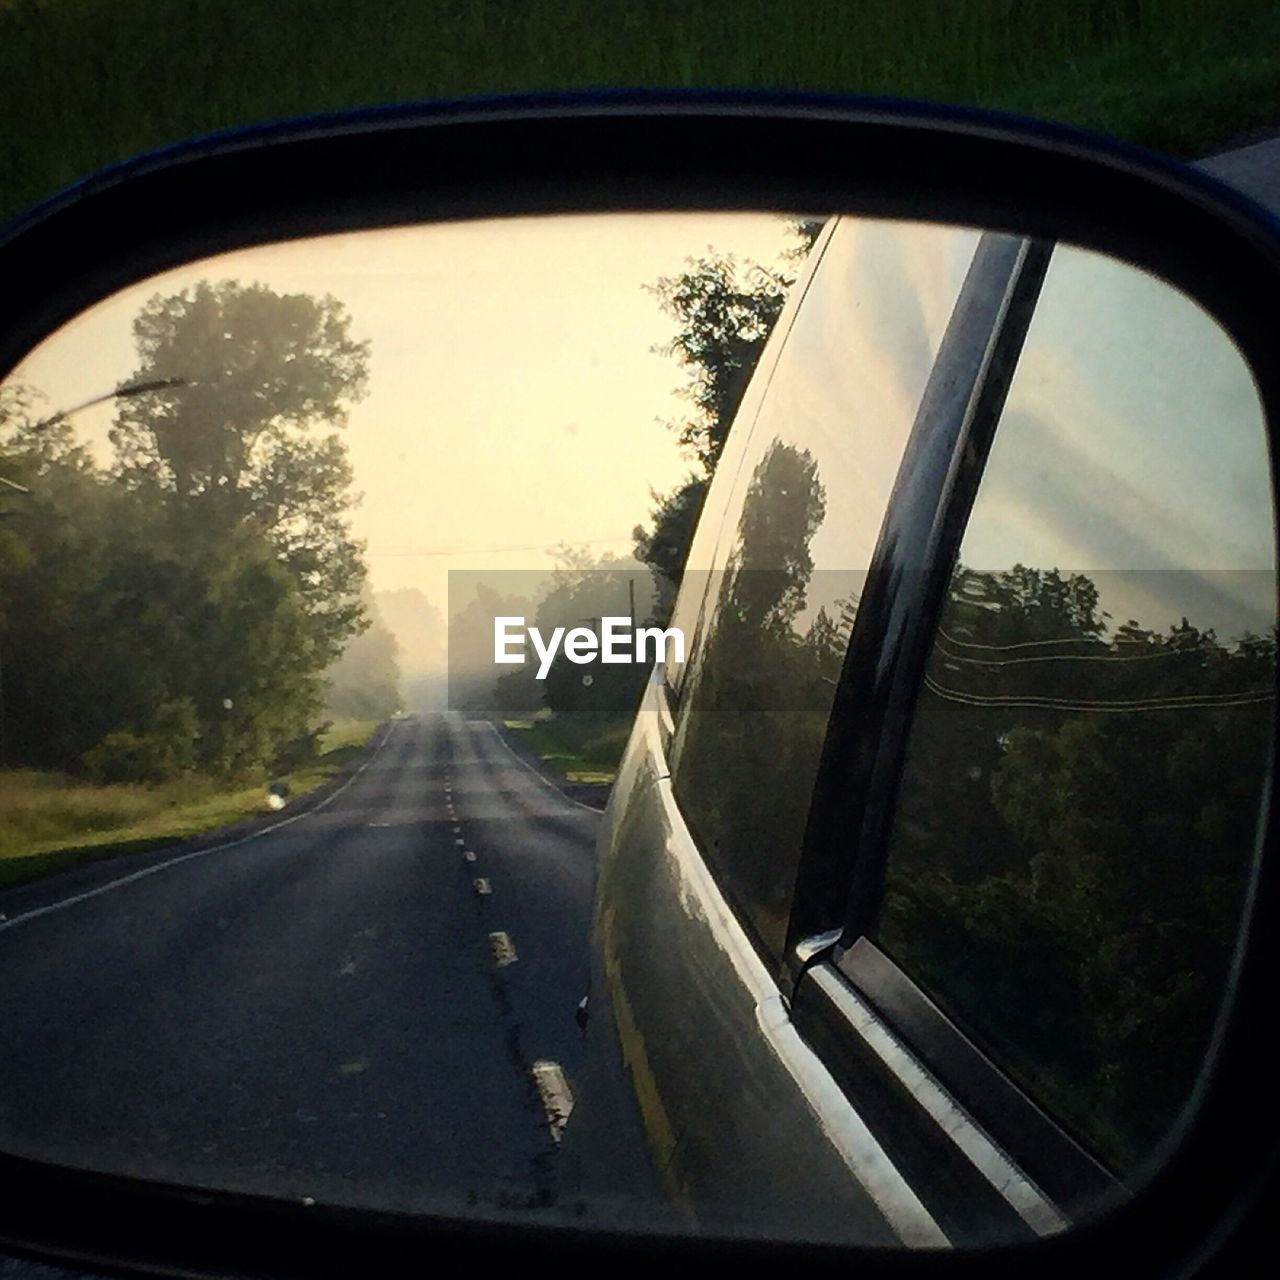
{"x": 1025, "y": 644}
{"x": 486, "y": 551}
{"x": 1062, "y": 657}
{"x": 1112, "y": 706}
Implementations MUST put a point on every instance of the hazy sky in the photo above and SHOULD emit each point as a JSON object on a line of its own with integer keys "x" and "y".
{"x": 515, "y": 401}
{"x": 1133, "y": 449}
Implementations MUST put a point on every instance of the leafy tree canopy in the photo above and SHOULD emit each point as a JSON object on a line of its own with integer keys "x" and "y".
{"x": 251, "y": 376}
{"x": 724, "y": 311}
{"x": 180, "y": 608}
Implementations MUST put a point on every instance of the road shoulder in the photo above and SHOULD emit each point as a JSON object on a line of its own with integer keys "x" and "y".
{"x": 595, "y": 795}
{"x": 19, "y": 897}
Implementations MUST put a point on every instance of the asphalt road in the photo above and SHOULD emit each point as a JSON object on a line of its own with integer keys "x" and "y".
{"x": 319, "y": 1010}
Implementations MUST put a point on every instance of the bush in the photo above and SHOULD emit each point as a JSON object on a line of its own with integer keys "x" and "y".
{"x": 163, "y": 750}
{"x": 301, "y": 751}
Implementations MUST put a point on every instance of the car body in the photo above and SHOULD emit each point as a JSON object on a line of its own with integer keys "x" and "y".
{"x": 859, "y": 910}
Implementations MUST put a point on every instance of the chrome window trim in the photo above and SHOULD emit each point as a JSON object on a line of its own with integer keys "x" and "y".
{"x": 838, "y": 1118}
{"x": 989, "y": 1159}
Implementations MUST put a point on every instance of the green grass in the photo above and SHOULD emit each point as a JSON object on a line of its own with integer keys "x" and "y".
{"x": 87, "y": 82}
{"x": 577, "y": 751}
{"x": 52, "y": 822}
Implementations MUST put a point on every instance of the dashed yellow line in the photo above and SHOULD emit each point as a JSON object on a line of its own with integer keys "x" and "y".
{"x": 504, "y": 950}
{"x": 557, "y": 1097}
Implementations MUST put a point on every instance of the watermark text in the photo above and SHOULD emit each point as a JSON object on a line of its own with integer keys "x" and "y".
{"x": 618, "y": 641}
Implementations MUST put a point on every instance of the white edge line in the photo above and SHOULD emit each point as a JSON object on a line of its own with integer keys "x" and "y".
{"x": 546, "y": 782}
{"x": 133, "y": 876}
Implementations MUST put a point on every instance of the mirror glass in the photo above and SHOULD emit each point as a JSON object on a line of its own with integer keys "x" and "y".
{"x": 416, "y": 652}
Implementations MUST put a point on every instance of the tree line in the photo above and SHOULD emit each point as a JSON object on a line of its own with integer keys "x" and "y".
{"x": 1075, "y": 840}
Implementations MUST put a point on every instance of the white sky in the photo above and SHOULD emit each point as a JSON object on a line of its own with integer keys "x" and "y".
{"x": 1133, "y": 448}
{"x": 514, "y": 397}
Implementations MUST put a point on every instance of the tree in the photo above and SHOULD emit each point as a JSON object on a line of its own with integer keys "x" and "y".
{"x": 419, "y": 630}
{"x": 1074, "y": 839}
{"x": 584, "y": 591}
{"x": 754, "y": 707}
{"x": 135, "y": 651}
{"x": 179, "y": 611}
{"x": 364, "y": 683}
{"x": 58, "y": 547}
{"x": 725, "y": 312}
{"x": 675, "y": 517}
{"x": 473, "y": 676}
{"x": 251, "y": 375}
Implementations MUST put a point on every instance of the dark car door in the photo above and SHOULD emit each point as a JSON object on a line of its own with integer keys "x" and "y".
{"x": 1049, "y": 888}
{"x": 923, "y": 876}
{"x": 748, "y": 1130}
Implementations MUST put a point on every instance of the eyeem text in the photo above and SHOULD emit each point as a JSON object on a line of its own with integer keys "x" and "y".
{"x": 618, "y": 641}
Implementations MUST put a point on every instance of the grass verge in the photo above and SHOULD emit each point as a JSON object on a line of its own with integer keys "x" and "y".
{"x": 582, "y": 751}
{"x": 52, "y": 822}
{"x": 85, "y": 84}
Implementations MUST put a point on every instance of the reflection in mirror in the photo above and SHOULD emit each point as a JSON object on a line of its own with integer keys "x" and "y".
{"x": 1078, "y": 823}
{"x": 342, "y": 584}
{"x": 813, "y": 475}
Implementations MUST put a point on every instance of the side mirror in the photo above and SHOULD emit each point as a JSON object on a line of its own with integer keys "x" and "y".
{"x": 902, "y": 782}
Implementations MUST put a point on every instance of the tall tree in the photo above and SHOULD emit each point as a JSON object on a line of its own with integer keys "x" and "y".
{"x": 249, "y": 376}
{"x": 725, "y": 311}
{"x": 180, "y": 610}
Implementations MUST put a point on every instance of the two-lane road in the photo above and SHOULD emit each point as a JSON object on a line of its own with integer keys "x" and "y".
{"x": 349, "y": 1006}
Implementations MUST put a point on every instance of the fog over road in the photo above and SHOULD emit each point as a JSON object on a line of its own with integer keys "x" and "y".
{"x": 319, "y": 1010}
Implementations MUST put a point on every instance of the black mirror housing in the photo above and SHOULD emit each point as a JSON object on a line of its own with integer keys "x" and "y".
{"x": 400, "y": 166}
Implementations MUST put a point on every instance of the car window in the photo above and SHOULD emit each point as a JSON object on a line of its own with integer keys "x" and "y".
{"x": 1078, "y": 817}
{"x": 809, "y": 492}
